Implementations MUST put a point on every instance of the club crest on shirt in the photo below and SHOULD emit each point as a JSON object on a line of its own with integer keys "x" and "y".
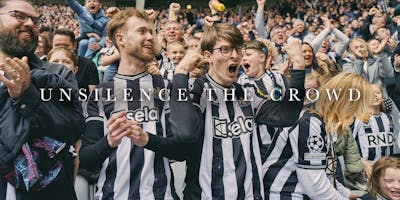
{"x": 223, "y": 129}
{"x": 315, "y": 143}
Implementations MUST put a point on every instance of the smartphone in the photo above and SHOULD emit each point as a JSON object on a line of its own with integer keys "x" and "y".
{"x": 251, "y": 35}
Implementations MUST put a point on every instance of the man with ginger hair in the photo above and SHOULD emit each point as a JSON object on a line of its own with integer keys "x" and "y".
{"x": 128, "y": 171}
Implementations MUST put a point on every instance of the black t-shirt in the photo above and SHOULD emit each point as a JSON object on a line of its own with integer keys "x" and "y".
{"x": 87, "y": 74}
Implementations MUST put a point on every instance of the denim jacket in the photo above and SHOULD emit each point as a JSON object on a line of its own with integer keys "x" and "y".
{"x": 89, "y": 23}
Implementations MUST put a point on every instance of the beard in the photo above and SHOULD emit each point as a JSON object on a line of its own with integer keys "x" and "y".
{"x": 142, "y": 56}
{"x": 11, "y": 45}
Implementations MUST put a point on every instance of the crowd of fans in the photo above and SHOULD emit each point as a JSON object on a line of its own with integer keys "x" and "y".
{"x": 361, "y": 37}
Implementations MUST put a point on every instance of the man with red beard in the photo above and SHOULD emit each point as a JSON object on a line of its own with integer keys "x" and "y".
{"x": 128, "y": 171}
{"x": 25, "y": 118}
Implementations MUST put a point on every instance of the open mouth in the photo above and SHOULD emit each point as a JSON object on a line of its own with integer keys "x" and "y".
{"x": 232, "y": 68}
{"x": 26, "y": 33}
{"x": 148, "y": 47}
{"x": 395, "y": 193}
{"x": 246, "y": 66}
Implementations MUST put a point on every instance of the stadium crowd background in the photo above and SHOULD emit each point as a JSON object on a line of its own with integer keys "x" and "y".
{"x": 376, "y": 22}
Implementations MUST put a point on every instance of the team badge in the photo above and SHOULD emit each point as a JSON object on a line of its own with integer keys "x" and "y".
{"x": 315, "y": 143}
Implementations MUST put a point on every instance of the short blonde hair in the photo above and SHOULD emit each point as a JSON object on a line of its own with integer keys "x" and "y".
{"x": 340, "y": 114}
{"x": 363, "y": 42}
{"x": 175, "y": 43}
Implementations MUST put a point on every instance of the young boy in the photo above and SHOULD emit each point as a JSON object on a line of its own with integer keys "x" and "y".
{"x": 175, "y": 52}
{"x": 92, "y": 26}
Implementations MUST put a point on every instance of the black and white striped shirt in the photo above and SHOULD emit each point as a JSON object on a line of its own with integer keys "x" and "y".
{"x": 375, "y": 138}
{"x": 222, "y": 152}
{"x": 303, "y": 148}
{"x": 167, "y": 70}
{"x": 128, "y": 171}
{"x": 268, "y": 83}
{"x": 228, "y": 164}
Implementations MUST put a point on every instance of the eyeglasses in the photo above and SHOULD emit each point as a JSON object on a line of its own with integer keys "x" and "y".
{"x": 22, "y": 17}
{"x": 227, "y": 50}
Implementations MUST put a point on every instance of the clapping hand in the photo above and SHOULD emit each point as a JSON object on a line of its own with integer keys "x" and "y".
{"x": 19, "y": 76}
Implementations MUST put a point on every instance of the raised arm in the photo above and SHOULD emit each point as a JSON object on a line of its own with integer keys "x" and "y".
{"x": 185, "y": 119}
{"x": 285, "y": 113}
{"x": 173, "y": 9}
{"x": 259, "y": 21}
{"x": 317, "y": 41}
{"x": 385, "y": 67}
{"x": 80, "y": 11}
{"x": 343, "y": 44}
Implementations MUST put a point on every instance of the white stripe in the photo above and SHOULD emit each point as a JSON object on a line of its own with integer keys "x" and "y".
{"x": 206, "y": 155}
{"x": 245, "y": 140}
{"x": 375, "y": 129}
{"x": 168, "y": 192}
{"x": 280, "y": 144}
{"x": 2, "y": 73}
{"x": 265, "y": 135}
{"x": 147, "y": 176}
{"x": 229, "y": 178}
{"x": 122, "y": 180}
{"x": 298, "y": 191}
{"x": 283, "y": 176}
{"x": 94, "y": 119}
{"x": 10, "y": 194}
{"x": 257, "y": 156}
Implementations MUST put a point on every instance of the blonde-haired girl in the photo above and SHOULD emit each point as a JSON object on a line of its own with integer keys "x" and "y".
{"x": 301, "y": 162}
{"x": 377, "y": 137}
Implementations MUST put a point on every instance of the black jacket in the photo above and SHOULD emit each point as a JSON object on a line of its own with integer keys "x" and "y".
{"x": 30, "y": 117}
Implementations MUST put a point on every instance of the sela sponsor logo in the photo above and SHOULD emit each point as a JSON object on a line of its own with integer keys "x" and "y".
{"x": 223, "y": 129}
{"x": 144, "y": 114}
{"x": 381, "y": 139}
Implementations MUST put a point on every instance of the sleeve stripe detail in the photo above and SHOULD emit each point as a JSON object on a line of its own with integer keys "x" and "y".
{"x": 310, "y": 166}
{"x": 94, "y": 119}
